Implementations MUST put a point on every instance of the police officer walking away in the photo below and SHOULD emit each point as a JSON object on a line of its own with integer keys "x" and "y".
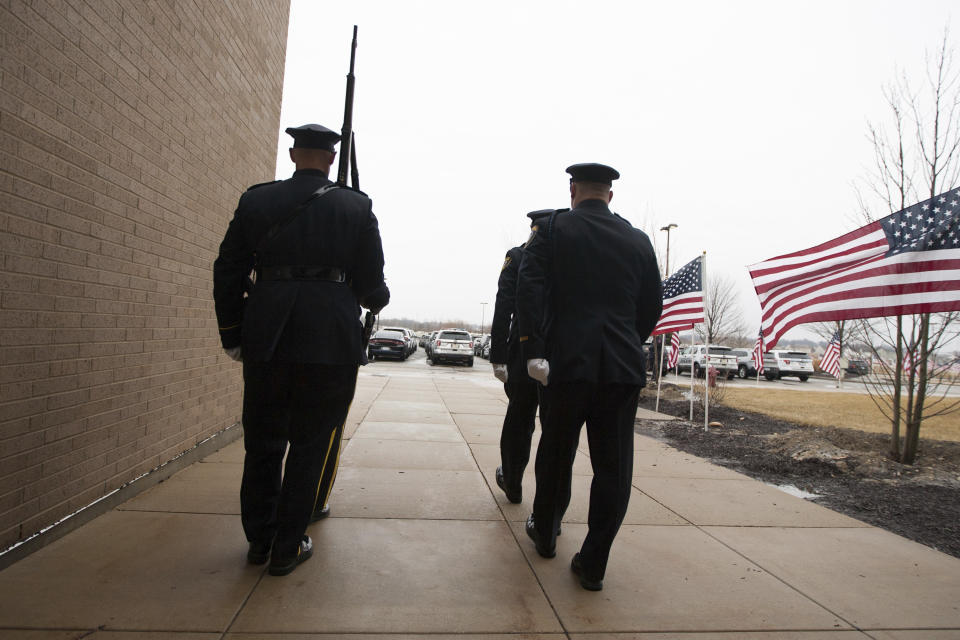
{"x": 510, "y": 368}
{"x": 589, "y": 294}
{"x": 315, "y": 249}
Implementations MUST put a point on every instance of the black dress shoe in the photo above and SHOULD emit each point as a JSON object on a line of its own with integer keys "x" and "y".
{"x": 320, "y": 514}
{"x": 542, "y": 548}
{"x": 283, "y": 566}
{"x": 585, "y": 582}
{"x": 258, "y": 553}
{"x": 513, "y": 495}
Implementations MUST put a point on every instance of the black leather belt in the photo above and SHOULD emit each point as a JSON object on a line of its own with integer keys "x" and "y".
{"x": 302, "y": 272}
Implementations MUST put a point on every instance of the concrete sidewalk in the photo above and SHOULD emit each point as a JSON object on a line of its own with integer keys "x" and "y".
{"x": 421, "y": 541}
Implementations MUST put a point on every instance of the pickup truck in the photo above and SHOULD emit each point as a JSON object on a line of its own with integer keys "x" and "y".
{"x": 697, "y": 356}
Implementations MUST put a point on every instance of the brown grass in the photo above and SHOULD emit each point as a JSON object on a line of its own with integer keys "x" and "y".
{"x": 818, "y": 409}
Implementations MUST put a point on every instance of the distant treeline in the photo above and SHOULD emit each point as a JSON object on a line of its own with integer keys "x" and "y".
{"x": 429, "y": 325}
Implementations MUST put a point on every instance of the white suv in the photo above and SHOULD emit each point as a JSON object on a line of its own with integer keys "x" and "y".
{"x": 719, "y": 357}
{"x": 788, "y": 363}
{"x": 452, "y": 345}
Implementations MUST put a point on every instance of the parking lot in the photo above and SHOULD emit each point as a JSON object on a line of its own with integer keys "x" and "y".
{"x": 480, "y": 373}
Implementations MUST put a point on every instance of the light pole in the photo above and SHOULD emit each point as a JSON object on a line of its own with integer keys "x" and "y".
{"x": 483, "y": 309}
{"x": 666, "y": 270}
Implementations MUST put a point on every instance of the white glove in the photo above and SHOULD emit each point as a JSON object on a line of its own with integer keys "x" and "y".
{"x": 500, "y": 372}
{"x": 539, "y": 370}
{"x": 234, "y": 353}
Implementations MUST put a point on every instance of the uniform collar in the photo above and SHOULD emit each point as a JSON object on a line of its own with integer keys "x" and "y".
{"x": 309, "y": 172}
{"x": 594, "y": 204}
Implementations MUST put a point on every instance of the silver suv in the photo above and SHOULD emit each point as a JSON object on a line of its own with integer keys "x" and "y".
{"x": 787, "y": 363}
{"x": 746, "y": 367}
{"x": 452, "y": 345}
{"x": 719, "y": 357}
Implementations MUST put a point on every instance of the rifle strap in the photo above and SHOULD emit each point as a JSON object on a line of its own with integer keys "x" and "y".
{"x": 279, "y": 226}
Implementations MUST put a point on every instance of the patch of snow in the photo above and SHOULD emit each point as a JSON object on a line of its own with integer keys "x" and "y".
{"x": 794, "y": 491}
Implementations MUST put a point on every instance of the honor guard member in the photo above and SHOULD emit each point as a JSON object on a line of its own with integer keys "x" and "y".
{"x": 588, "y": 295}
{"x": 316, "y": 253}
{"x": 509, "y": 367}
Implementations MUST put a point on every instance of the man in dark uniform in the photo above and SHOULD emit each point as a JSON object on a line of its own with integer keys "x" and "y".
{"x": 510, "y": 368}
{"x": 317, "y": 255}
{"x": 588, "y": 295}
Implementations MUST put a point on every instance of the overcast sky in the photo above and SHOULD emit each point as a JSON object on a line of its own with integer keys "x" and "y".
{"x": 744, "y": 123}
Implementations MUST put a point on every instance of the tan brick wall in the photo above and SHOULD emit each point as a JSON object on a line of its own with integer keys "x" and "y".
{"x": 128, "y": 131}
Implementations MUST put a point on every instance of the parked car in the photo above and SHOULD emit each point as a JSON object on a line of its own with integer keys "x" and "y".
{"x": 478, "y": 342}
{"x": 649, "y": 359}
{"x": 746, "y": 367}
{"x": 428, "y": 347}
{"x": 387, "y": 343}
{"x": 697, "y": 357}
{"x": 857, "y": 367}
{"x": 452, "y": 345}
{"x": 483, "y": 348}
{"x": 787, "y": 363}
{"x": 408, "y": 338}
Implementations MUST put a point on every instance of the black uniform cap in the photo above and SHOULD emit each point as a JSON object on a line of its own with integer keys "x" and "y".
{"x": 592, "y": 172}
{"x": 313, "y": 136}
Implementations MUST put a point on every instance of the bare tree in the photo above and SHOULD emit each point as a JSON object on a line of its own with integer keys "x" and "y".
{"x": 722, "y": 315}
{"x": 918, "y": 159}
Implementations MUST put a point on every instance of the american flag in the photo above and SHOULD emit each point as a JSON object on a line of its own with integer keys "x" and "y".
{"x": 830, "y": 362}
{"x": 674, "y": 351}
{"x": 682, "y": 299}
{"x": 909, "y": 357}
{"x": 908, "y": 262}
{"x": 758, "y": 354}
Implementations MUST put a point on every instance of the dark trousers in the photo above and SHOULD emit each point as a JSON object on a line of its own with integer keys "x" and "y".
{"x": 302, "y": 405}
{"x": 609, "y": 411}
{"x": 518, "y": 423}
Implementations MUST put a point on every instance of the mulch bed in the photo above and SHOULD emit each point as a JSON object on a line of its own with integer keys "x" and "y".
{"x": 850, "y": 471}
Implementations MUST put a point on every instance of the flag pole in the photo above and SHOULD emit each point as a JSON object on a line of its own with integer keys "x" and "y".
{"x": 840, "y": 373}
{"x": 706, "y": 373}
{"x": 761, "y": 355}
{"x": 693, "y": 341}
{"x": 666, "y": 274}
{"x": 659, "y": 373}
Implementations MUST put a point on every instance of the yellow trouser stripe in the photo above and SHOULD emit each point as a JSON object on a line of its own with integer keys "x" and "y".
{"x": 336, "y": 467}
{"x": 336, "y": 462}
{"x": 333, "y": 436}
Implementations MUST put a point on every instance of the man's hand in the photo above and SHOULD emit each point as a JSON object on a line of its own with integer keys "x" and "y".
{"x": 500, "y": 372}
{"x": 539, "y": 370}
{"x": 234, "y": 353}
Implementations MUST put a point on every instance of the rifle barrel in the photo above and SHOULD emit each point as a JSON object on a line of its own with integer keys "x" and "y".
{"x": 346, "y": 133}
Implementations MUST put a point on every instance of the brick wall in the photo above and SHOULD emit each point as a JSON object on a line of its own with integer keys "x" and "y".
{"x": 128, "y": 131}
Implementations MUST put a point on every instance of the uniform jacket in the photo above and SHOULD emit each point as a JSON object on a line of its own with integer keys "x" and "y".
{"x": 504, "y": 331}
{"x": 589, "y": 294}
{"x": 299, "y": 320}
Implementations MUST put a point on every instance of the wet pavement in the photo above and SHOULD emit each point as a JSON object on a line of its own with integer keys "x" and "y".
{"x": 421, "y": 542}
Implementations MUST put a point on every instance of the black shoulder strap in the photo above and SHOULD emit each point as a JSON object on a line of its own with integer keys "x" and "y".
{"x": 280, "y": 225}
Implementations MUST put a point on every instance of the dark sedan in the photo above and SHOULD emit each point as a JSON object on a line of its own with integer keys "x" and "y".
{"x": 387, "y": 344}
{"x": 857, "y": 367}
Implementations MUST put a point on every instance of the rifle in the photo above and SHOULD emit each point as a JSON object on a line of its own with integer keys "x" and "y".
{"x": 346, "y": 133}
{"x": 348, "y": 157}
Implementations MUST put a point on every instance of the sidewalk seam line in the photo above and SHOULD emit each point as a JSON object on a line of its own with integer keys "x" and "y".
{"x": 752, "y": 561}
{"x": 507, "y": 522}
